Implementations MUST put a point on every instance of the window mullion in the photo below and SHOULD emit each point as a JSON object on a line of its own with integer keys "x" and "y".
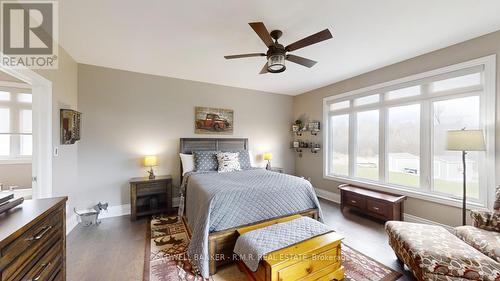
{"x": 16, "y": 144}
{"x": 426, "y": 137}
{"x": 352, "y": 143}
{"x": 382, "y": 137}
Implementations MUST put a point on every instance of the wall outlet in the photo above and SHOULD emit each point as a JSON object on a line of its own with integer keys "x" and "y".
{"x": 56, "y": 151}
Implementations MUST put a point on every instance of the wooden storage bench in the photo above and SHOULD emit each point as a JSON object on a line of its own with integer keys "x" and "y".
{"x": 377, "y": 204}
{"x": 318, "y": 258}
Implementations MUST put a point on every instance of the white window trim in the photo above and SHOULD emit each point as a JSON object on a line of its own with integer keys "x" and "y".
{"x": 488, "y": 109}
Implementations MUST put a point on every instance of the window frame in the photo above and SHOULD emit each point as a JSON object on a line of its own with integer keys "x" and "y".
{"x": 487, "y": 115}
{"x": 15, "y": 107}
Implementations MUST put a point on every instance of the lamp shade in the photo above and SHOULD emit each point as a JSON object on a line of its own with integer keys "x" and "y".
{"x": 465, "y": 140}
{"x": 150, "y": 161}
{"x": 268, "y": 156}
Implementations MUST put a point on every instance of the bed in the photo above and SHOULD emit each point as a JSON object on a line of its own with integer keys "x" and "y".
{"x": 216, "y": 204}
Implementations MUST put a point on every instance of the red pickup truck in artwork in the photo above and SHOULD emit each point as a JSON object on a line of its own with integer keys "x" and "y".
{"x": 213, "y": 122}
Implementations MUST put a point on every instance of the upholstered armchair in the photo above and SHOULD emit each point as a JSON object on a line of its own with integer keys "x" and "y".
{"x": 487, "y": 220}
{"x": 485, "y": 234}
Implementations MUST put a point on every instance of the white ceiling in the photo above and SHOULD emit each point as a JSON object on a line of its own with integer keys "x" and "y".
{"x": 188, "y": 39}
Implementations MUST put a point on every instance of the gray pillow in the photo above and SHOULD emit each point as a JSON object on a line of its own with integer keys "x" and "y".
{"x": 244, "y": 158}
{"x": 205, "y": 161}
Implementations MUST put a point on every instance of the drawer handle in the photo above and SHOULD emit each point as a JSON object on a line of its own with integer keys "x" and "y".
{"x": 42, "y": 233}
{"x": 43, "y": 267}
{"x": 376, "y": 208}
{"x": 354, "y": 201}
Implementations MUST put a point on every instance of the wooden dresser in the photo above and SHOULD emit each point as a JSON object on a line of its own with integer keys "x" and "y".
{"x": 33, "y": 241}
{"x": 377, "y": 204}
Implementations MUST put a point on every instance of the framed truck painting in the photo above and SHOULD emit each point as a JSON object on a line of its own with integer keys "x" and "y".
{"x": 70, "y": 126}
{"x": 210, "y": 120}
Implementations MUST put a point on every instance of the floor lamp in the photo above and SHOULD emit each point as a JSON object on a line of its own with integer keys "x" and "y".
{"x": 465, "y": 140}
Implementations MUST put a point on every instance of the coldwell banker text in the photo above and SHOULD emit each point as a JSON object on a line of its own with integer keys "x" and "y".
{"x": 29, "y": 34}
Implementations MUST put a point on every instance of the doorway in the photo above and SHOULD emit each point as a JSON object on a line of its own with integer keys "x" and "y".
{"x": 16, "y": 137}
{"x": 30, "y": 94}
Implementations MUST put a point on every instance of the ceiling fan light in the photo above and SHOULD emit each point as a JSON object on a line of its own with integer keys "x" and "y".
{"x": 276, "y": 63}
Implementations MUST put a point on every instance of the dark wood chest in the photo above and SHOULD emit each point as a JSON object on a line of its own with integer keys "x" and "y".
{"x": 33, "y": 241}
{"x": 377, "y": 204}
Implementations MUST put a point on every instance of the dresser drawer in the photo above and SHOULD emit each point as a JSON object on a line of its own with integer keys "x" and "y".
{"x": 47, "y": 266}
{"x": 355, "y": 200}
{"x": 377, "y": 207}
{"x": 22, "y": 250}
{"x": 59, "y": 276}
{"x": 22, "y": 265}
{"x": 150, "y": 189}
{"x": 308, "y": 267}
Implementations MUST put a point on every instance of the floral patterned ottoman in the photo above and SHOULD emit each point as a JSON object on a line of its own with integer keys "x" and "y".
{"x": 433, "y": 253}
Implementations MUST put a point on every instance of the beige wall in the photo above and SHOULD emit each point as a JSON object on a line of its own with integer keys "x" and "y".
{"x": 15, "y": 174}
{"x": 309, "y": 105}
{"x": 64, "y": 95}
{"x": 127, "y": 115}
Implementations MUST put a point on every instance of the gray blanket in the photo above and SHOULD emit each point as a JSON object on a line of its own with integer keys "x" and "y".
{"x": 252, "y": 246}
{"x": 219, "y": 201}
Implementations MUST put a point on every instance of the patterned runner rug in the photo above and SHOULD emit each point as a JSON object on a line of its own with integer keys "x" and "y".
{"x": 166, "y": 258}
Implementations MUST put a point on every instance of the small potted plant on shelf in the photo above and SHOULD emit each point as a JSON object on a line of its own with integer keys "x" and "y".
{"x": 298, "y": 127}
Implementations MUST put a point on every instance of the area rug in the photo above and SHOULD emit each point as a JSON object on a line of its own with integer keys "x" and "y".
{"x": 166, "y": 259}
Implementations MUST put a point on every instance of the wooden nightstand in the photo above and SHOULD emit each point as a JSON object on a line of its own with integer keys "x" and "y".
{"x": 277, "y": 170}
{"x": 150, "y": 196}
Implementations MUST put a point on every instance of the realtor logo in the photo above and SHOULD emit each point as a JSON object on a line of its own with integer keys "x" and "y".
{"x": 29, "y": 34}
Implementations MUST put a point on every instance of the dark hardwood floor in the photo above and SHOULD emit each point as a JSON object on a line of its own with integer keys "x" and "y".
{"x": 114, "y": 250}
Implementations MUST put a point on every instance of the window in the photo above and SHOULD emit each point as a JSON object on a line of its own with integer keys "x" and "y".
{"x": 403, "y": 145}
{"x": 340, "y": 144}
{"x": 367, "y": 100}
{"x": 447, "y": 175}
{"x": 16, "y": 140}
{"x": 392, "y": 136}
{"x": 457, "y": 82}
{"x": 403, "y": 93}
{"x": 367, "y": 145}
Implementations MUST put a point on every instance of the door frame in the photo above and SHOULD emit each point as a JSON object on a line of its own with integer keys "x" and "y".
{"x": 41, "y": 89}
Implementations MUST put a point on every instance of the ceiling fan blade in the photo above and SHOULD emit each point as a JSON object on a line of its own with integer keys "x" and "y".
{"x": 245, "y": 56}
{"x": 261, "y": 30}
{"x": 264, "y": 69}
{"x": 300, "y": 60}
{"x": 313, "y": 39}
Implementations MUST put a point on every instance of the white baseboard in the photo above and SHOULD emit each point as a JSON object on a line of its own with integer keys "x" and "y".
{"x": 335, "y": 197}
{"x": 113, "y": 211}
{"x": 328, "y": 195}
{"x": 415, "y": 219}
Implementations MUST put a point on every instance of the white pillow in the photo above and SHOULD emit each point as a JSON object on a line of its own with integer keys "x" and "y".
{"x": 228, "y": 162}
{"x": 187, "y": 161}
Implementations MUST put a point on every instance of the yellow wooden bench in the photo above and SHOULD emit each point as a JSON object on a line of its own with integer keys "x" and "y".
{"x": 318, "y": 258}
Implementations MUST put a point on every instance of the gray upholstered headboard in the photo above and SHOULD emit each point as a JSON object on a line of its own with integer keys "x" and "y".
{"x": 188, "y": 145}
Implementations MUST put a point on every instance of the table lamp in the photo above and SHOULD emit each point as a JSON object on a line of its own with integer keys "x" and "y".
{"x": 268, "y": 156}
{"x": 151, "y": 161}
{"x": 465, "y": 140}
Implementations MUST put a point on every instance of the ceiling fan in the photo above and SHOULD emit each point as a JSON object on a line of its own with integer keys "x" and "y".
{"x": 277, "y": 53}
